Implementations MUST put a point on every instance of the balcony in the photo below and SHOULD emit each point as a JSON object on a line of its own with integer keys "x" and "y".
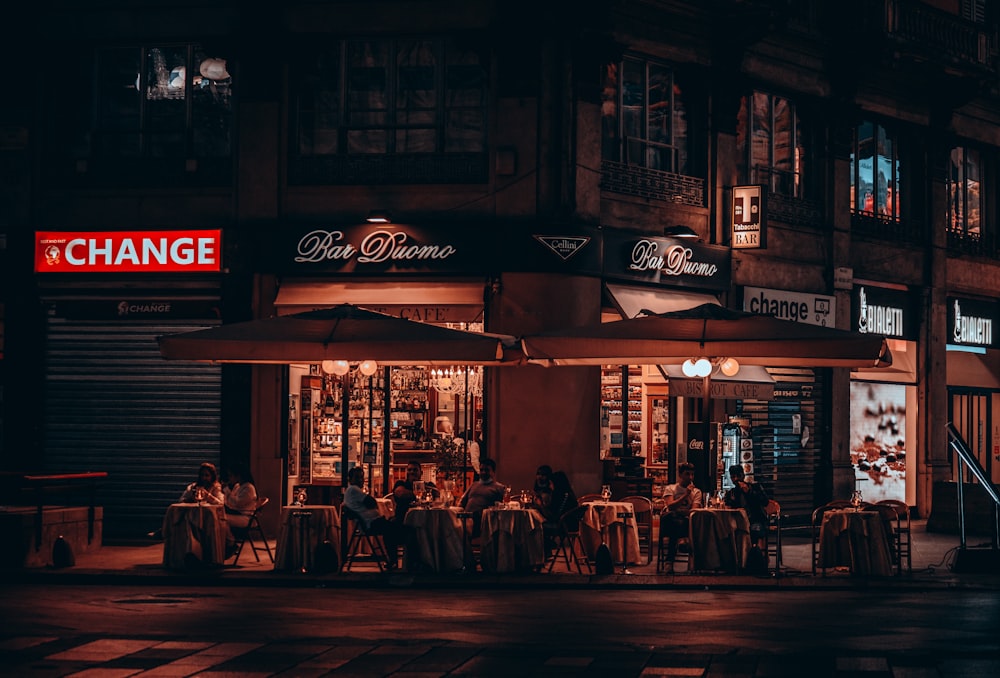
{"x": 642, "y": 182}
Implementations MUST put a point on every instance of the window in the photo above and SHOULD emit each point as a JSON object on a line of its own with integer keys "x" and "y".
{"x": 644, "y": 118}
{"x": 776, "y": 152}
{"x": 377, "y": 97}
{"x": 140, "y": 113}
{"x": 875, "y": 173}
{"x": 965, "y": 198}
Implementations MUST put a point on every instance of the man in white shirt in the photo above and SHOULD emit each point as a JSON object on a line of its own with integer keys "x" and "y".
{"x": 680, "y": 499}
{"x": 364, "y": 506}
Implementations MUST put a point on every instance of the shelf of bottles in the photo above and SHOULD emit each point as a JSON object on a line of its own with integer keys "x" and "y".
{"x": 410, "y": 403}
{"x": 618, "y": 436}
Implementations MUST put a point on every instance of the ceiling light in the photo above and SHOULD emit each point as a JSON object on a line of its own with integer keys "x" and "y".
{"x": 679, "y": 231}
{"x": 730, "y": 367}
{"x": 379, "y": 217}
{"x": 368, "y": 367}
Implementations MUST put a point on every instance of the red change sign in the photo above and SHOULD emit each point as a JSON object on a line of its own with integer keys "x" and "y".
{"x": 128, "y": 251}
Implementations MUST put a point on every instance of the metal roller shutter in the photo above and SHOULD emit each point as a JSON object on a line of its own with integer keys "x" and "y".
{"x": 787, "y": 463}
{"x": 114, "y": 404}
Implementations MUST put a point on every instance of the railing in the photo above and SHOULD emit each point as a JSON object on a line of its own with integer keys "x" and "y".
{"x": 40, "y": 485}
{"x": 966, "y": 457}
{"x": 941, "y": 32}
{"x": 627, "y": 179}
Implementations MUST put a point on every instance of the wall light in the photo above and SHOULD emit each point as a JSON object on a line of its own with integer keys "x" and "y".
{"x": 730, "y": 367}
{"x": 702, "y": 367}
{"x": 379, "y": 217}
{"x": 679, "y": 231}
{"x": 341, "y": 367}
{"x": 368, "y": 367}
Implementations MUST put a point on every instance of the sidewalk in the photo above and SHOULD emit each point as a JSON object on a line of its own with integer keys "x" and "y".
{"x": 933, "y": 557}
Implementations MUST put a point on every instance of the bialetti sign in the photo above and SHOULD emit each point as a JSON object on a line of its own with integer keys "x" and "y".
{"x": 128, "y": 252}
{"x": 879, "y": 310}
{"x": 812, "y": 309}
{"x": 971, "y": 322}
{"x": 671, "y": 261}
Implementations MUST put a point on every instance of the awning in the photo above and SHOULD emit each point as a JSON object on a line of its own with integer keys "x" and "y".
{"x": 903, "y": 369}
{"x": 973, "y": 369}
{"x": 752, "y": 382}
{"x": 432, "y": 302}
{"x": 630, "y": 301}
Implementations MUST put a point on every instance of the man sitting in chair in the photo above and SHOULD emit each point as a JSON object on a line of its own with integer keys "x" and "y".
{"x": 364, "y": 506}
{"x": 680, "y": 499}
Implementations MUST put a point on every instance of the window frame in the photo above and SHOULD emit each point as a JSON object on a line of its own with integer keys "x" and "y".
{"x": 767, "y": 173}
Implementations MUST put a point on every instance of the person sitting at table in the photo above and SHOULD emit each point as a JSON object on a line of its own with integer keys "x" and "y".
{"x": 680, "y": 499}
{"x": 365, "y": 508}
{"x": 208, "y": 483}
{"x": 241, "y": 500}
{"x": 482, "y": 494}
{"x": 402, "y": 492}
{"x": 542, "y": 491}
{"x": 750, "y": 497}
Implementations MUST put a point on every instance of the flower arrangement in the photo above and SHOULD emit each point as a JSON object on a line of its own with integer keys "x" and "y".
{"x": 449, "y": 455}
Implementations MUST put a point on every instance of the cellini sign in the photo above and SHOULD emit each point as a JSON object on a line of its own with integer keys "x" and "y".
{"x": 128, "y": 251}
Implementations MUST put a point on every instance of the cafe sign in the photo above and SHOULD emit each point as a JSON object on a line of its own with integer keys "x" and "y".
{"x": 748, "y": 212}
{"x": 673, "y": 261}
{"x": 880, "y": 310}
{"x": 971, "y": 322}
{"x": 128, "y": 251}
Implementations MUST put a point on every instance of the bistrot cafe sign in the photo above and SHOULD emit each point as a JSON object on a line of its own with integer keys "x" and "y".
{"x": 188, "y": 251}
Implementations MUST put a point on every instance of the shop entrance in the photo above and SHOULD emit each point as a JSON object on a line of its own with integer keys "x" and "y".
{"x": 971, "y": 411}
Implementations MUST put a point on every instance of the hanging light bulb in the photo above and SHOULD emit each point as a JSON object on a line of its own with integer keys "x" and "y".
{"x": 368, "y": 367}
{"x": 688, "y": 368}
{"x": 327, "y": 366}
{"x": 729, "y": 367}
{"x": 341, "y": 367}
{"x": 702, "y": 367}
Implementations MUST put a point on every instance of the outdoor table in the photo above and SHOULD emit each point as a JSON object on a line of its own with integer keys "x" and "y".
{"x": 197, "y": 530}
{"x": 435, "y": 540}
{"x": 856, "y": 539}
{"x": 511, "y": 540}
{"x": 612, "y": 523}
{"x": 303, "y": 529}
{"x": 720, "y": 540}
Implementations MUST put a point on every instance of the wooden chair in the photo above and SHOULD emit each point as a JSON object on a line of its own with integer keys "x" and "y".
{"x": 900, "y": 532}
{"x": 359, "y": 536}
{"x": 683, "y": 549}
{"x": 772, "y": 536}
{"x": 567, "y": 540}
{"x": 252, "y": 531}
{"x": 584, "y": 498}
{"x": 642, "y": 509}
{"x": 817, "y": 524}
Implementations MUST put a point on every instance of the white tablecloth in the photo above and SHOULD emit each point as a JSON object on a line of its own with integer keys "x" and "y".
{"x": 435, "y": 540}
{"x": 720, "y": 540}
{"x": 303, "y": 528}
{"x": 612, "y": 523}
{"x": 512, "y": 540}
{"x": 196, "y": 529}
{"x": 856, "y": 539}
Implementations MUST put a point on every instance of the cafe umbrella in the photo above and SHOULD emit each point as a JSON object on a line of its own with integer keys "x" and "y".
{"x": 336, "y": 337}
{"x": 706, "y": 339}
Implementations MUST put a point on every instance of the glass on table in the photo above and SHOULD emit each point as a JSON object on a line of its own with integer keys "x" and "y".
{"x": 606, "y": 492}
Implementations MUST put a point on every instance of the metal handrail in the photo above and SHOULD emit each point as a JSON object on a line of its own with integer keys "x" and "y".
{"x": 961, "y": 448}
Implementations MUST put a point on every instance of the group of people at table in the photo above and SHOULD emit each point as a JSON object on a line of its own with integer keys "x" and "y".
{"x": 551, "y": 498}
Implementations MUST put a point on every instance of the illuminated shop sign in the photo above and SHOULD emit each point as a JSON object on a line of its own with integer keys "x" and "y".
{"x": 749, "y": 217}
{"x": 879, "y": 310}
{"x": 671, "y": 261}
{"x": 376, "y": 247}
{"x": 811, "y": 309}
{"x": 128, "y": 251}
{"x": 971, "y": 322}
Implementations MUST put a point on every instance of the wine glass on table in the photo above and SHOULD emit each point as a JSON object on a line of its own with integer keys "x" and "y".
{"x": 856, "y": 500}
{"x": 606, "y": 493}
{"x": 418, "y": 490}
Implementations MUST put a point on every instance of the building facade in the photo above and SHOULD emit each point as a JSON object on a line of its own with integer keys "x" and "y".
{"x": 833, "y": 161}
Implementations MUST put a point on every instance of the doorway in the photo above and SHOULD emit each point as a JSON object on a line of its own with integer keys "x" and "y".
{"x": 971, "y": 411}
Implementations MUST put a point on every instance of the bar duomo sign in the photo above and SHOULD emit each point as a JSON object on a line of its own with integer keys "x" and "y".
{"x": 971, "y": 322}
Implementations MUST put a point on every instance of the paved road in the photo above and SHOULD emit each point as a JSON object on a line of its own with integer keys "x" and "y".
{"x": 122, "y": 631}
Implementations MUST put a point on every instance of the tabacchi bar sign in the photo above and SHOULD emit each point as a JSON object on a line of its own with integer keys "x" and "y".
{"x": 128, "y": 251}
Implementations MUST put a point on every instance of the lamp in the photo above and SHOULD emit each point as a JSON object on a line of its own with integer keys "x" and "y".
{"x": 327, "y": 366}
{"x": 702, "y": 367}
{"x": 379, "y": 217}
{"x": 679, "y": 231}
{"x": 368, "y": 367}
{"x": 730, "y": 367}
{"x": 341, "y": 367}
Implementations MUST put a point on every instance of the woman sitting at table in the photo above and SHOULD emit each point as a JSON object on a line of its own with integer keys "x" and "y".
{"x": 751, "y": 498}
{"x": 208, "y": 484}
{"x": 241, "y": 497}
{"x": 542, "y": 491}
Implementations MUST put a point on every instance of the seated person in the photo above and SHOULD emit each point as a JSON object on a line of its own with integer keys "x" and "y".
{"x": 482, "y": 494}
{"x": 750, "y": 497}
{"x": 208, "y": 484}
{"x": 365, "y": 508}
{"x": 241, "y": 501}
{"x": 561, "y": 499}
{"x": 542, "y": 491}
{"x": 680, "y": 499}
{"x": 402, "y": 492}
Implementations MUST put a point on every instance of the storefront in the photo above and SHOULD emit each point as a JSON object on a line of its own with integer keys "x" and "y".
{"x": 974, "y": 378}
{"x": 786, "y": 430}
{"x": 646, "y": 427}
{"x": 884, "y": 401}
{"x": 111, "y": 402}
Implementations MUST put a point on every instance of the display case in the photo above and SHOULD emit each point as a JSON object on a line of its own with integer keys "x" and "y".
{"x": 657, "y": 426}
{"x": 621, "y": 434}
